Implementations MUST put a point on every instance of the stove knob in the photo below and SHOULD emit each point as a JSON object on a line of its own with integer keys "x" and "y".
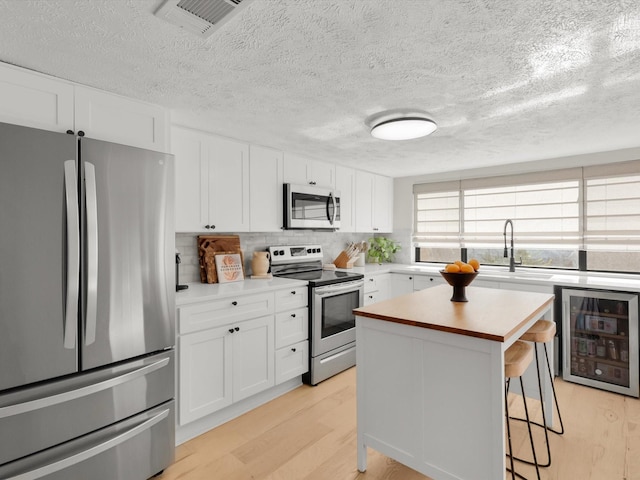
{"x": 281, "y": 252}
{"x": 310, "y": 250}
{"x": 319, "y": 250}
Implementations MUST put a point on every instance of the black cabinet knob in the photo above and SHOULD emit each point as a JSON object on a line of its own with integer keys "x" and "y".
{"x": 237, "y": 329}
{"x": 293, "y": 349}
{"x": 231, "y": 330}
{"x": 234, "y": 303}
{"x": 293, "y": 315}
{"x": 293, "y": 292}
{"x": 410, "y": 278}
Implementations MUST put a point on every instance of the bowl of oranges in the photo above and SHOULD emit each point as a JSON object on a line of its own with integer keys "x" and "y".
{"x": 459, "y": 275}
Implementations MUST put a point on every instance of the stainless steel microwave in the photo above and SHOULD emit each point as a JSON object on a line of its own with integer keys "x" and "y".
{"x": 311, "y": 207}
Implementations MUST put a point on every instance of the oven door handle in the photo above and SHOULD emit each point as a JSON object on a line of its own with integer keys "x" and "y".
{"x": 338, "y": 288}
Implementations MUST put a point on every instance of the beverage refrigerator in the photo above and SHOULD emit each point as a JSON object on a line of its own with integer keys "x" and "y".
{"x": 600, "y": 339}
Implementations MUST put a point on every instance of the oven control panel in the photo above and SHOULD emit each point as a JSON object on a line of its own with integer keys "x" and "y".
{"x": 295, "y": 253}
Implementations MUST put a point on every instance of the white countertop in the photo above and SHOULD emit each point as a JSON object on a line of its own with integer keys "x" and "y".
{"x": 199, "y": 292}
{"x": 570, "y": 278}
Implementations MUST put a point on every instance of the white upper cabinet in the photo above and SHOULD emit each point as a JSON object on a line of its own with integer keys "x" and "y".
{"x": 345, "y": 185}
{"x": 35, "y": 100}
{"x": 212, "y": 182}
{"x": 374, "y": 203}
{"x": 39, "y": 101}
{"x": 304, "y": 171}
{"x": 112, "y": 118}
{"x": 265, "y": 189}
{"x": 382, "y": 204}
{"x": 363, "y": 200}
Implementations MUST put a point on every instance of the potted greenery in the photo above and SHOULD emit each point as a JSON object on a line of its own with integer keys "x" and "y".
{"x": 381, "y": 249}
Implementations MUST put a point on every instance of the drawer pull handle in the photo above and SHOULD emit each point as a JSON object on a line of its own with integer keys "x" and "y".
{"x": 231, "y": 330}
{"x": 370, "y": 296}
{"x": 293, "y": 315}
{"x": 293, "y": 292}
{"x": 237, "y": 329}
{"x": 234, "y": 303}
{"x": 293, "y": 349}
{"x": 371, "y": 279}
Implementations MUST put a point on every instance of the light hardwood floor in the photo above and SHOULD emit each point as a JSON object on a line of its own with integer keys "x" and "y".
{"x": 310, "y": 434}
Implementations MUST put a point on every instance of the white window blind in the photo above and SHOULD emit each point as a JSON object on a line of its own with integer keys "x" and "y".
{"x": 437, "y": 214}
{"x": 544, "y": 207}
{"x": 542, "y": 214}
{"x": 612, "y": 207}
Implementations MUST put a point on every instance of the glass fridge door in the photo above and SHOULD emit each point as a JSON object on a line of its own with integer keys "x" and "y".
{"x": 601, "y": 339}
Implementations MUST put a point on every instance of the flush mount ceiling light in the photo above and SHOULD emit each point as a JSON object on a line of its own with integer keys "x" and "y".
{"x": 401, "y": 124}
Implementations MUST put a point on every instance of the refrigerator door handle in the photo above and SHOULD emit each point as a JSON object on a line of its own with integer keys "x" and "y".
{"x": 73, "y": 255}
{"x": 49, "y": 401}
{"x": 79, "y": 457}
{"x": 92, "y": 253}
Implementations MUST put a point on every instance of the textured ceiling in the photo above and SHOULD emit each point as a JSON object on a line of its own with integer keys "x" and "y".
{"x": 506, "y": 81}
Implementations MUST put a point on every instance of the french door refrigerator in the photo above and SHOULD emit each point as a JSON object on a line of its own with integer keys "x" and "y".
{"x": 86, "y": 308}
{"x": 600, "y": 339}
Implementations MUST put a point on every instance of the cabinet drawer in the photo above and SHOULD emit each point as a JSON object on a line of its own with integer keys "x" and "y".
{"x": 292, "y": 361}
{"x": 292, "y": 327}
{"x": 420, "y": 282}
{"x": 371, "y": 297}
{"x": 192, "y": 318}
{"x": 370, "y": 284}
{"x": 291, "y": 298}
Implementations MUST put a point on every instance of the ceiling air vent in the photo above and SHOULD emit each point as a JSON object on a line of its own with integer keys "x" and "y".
{"x": 202, "y": 17}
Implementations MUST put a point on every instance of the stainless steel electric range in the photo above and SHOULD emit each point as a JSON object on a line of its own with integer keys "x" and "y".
{"x": 332, "y": 297}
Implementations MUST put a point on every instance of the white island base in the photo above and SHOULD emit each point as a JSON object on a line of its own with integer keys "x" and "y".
{"x": 430, "y": 378}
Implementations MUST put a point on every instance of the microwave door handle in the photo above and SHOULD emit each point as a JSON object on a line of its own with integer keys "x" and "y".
{"x": 331, "y": 217}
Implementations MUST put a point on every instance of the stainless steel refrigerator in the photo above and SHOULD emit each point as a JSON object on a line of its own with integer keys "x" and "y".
{"x": 86, "y": 308}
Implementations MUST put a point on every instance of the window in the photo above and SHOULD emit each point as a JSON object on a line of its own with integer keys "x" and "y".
{"x": 555, "y": 215}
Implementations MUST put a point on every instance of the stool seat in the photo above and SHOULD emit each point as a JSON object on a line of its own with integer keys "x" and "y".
{"x": 517, "y": 358}
{"x": 542, "y": 331}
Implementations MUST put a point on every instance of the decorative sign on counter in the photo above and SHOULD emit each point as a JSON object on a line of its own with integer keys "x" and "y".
{"x": 229, "y": 268}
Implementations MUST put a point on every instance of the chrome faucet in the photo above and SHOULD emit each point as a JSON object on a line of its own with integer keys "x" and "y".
{"x": 512, "y": 260}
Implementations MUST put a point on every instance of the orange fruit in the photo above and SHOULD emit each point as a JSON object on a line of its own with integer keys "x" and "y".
{"x": 475, "y": 264}
{"x": 466, "y": 268}
{"x": 452, "y": 268}
{"x": 459, "y": 263}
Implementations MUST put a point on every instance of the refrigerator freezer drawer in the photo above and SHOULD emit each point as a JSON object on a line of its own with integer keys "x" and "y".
{"x": 43, "y": 416}
{"x": 134, "y": 449}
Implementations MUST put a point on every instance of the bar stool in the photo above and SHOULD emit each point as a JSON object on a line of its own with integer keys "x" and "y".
{"x": 543, "y": 331}
{"x": 516, "y": 360}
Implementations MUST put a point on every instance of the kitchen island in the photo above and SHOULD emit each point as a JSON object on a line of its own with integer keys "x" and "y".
{"x": 430, "y": 378}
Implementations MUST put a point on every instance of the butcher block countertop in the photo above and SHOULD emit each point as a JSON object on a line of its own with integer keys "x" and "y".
{"x": 492, "y": 314}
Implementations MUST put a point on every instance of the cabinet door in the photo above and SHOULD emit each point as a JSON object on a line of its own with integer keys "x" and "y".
{"x": 364, "y": 206}
{"x": 304, "y": 171}
{"x": 345, "y": 186}
{"x": 191, "y": 202}
{"x": 322, "y": 174}
{"x": 253, "y": 357}
{"x": 400, "y": 284}
{"x": 292, "y": 327}
{"x": 113, "y": 118}
{"x": 265, "y": 189}
{"x": 382, "y": 203}
{"x": 295, "y": 169}
{"x": 204, "y": 380}
{"x": 292, "y": 361}
{"x": 420, "y": 282}
{"x": 228, "y": 164}
{"x": 35, "y": 100}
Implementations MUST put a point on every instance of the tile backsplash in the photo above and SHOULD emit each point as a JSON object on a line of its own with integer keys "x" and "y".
{"x": 332, "y": 243}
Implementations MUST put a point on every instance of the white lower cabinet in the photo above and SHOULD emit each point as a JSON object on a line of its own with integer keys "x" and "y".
{"x": 292, "y": 333}
{"x": 223, "y": 365}
{"x": 420, "y": 282}
{"x": 376, "y": 288}
{"x": 401, "y": 284}
{"x": 232, "y": 348}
